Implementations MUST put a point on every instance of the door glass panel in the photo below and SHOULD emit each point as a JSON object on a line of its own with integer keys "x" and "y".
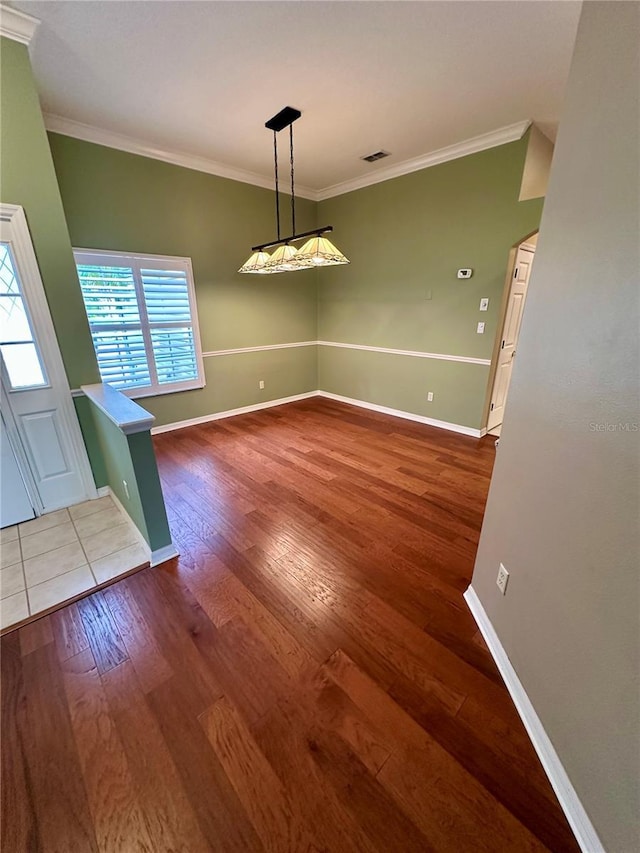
{"x": 14, "y": 325}
{"x": 23, "y": 365}
{"x": 17, "y": 344}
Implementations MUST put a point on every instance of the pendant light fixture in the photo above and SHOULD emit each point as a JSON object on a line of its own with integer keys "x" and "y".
{"x": 318, "y": 250}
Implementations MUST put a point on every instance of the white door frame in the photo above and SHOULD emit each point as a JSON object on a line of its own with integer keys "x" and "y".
{"x": 47, "y": 342}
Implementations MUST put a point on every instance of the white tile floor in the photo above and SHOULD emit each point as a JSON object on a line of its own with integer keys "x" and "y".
{"x": 58, "y": 556}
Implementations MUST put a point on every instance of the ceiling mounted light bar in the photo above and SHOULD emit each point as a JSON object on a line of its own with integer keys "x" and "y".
{"x": 285, "y": 118}
{"x": 317, "y": 232}
{"x": 317, "y": 251}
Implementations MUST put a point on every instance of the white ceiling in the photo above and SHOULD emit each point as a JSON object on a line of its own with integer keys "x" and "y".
{"x": 201, "y": 78}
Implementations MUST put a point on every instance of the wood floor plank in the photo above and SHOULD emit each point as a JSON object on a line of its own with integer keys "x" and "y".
{"x": 63, "y": 818}
{"x": 68, "y": 631}
{"x": 104, "y": 638}
{"x": 284, "y": 738}
{"x": 365, "y": 799}
{"x": 220, "y": 815}
{"x": 176, "y": 626}
{"x": 419, "y": 771}
{"x": 150, "y": 665}
{"x": 254, "y": 780}
{"x": 169, "y": 816}
{"x": 506, "y": 773}
{"x": 236, "y": 601}
{"x": 305, "y": 678}
{"x": 35, "y": 635}
{"x": 117, "y": 817}
{"x": 18, "y": 823}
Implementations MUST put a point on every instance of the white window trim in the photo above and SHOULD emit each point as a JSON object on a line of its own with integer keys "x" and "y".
{"x": 137, "y": 260}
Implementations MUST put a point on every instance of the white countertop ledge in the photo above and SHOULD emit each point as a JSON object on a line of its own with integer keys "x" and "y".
{"x": 127, "y": 415}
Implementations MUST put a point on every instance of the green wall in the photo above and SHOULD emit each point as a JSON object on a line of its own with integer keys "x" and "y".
{"x": 406, "y": 238}
{"x": 131, "y": 458}
{"x": 124, "y": 202}
{"x": 231, "y": 383}
{"x": 28, "y": 178}
{"x": 149, "y": 489}
{"x": 91, "y": 442}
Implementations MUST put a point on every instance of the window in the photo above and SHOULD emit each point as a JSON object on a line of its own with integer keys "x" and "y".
{"x": 20, "y": 355}
{"x": 143, "y": 320}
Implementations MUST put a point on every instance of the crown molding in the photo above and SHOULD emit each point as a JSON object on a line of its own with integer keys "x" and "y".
{"x": 502, "y": 135}
{"x": 17, "y": 25}
{"x": 90, "y": 133}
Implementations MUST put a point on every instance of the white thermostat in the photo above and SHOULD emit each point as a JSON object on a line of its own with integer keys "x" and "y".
{"x": 465, "y": 273}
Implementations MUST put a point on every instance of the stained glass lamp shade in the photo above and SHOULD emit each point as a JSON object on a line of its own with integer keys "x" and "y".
{"x": 283, "y": 259}
{"x": 256, "y": 263}
{"x": 318, "y": 251}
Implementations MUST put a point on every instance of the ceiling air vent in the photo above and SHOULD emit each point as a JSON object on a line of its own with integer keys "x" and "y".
{"x": 377, "y": 155}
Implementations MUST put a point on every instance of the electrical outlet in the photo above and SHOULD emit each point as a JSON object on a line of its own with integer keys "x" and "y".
{"x": 261, "y": 385}
{"x": 126, "y": 488}
{"x": 430, "y": 397}
{"x": 502, "y": 580}
{"x": 484, "y": 304}
{"x": 480, "y": 328}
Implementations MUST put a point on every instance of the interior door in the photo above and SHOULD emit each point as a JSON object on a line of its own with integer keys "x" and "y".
{"x": 35, "y": 392}
{"x": 510, "y": 332}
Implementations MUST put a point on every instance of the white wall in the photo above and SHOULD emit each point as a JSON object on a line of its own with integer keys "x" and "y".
{"x": 537, "y": 165}
{"x": 563, "y": 511}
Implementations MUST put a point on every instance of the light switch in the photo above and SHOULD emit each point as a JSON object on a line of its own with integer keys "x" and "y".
{"x": 484, "y": 304}
{"x": 480, "y": 328}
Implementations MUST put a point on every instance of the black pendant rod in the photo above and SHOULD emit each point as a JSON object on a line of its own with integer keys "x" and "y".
{"x": 275, "y": 162}
{"x": 279, "y": 242}
{"x": 293, "y": 191}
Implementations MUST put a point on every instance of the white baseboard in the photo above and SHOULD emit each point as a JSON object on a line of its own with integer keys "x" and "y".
{"x": 230, "y": 413}
{"x": 408, "y": 416}
{"x": 103, "y": 491}
{"x": 362, "y": 404}
{"x": 160, "y": 555}
{"x": 575, "y": 813}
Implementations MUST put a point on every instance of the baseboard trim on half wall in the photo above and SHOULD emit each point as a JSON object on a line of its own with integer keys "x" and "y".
{"x": 573, "y": 809}
{"x": 161, "y": 555}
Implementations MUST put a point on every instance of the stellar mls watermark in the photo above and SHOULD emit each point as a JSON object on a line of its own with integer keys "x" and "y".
{"x": 618, "y": 426}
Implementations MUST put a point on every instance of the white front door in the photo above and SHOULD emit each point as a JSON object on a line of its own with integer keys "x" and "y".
{"x": 510, "y": 332}
{"x": 15, "y": 504}
{"x": 37, "y": 407}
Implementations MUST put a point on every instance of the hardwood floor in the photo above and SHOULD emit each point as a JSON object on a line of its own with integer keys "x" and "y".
{"x": 306, "y": 677}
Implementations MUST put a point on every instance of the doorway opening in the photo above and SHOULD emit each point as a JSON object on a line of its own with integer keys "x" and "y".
{"x": 520, "y": 266}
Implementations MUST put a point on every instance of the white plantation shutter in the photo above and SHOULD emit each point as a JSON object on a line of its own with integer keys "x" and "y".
{"x": 142, "y": 316}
